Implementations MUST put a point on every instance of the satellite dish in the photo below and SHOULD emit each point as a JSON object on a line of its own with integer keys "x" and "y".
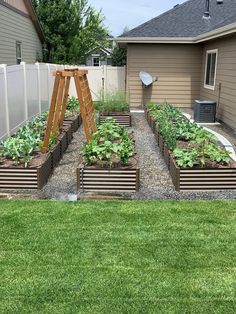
{"x": 146, "y": 78}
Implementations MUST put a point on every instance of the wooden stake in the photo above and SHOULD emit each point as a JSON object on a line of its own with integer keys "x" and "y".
{"x": 64, "y": 104}
{"x": 51, "y": 113}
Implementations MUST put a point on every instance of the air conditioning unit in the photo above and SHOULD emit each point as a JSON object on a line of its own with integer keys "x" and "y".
{"x": 205, "y": 111}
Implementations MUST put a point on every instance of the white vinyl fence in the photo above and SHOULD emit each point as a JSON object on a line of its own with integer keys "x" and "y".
{"x": 26, "y": 89}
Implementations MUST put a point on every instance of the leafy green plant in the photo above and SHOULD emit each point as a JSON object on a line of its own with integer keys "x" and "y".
{"x": 72, "y": 104}
{"x": 202, "y": 146}
{"x": 185, "y": 158}
{"x": 110, "y": 145}
{"x": 20, "y": 147}
{"x": 112, "y": 102}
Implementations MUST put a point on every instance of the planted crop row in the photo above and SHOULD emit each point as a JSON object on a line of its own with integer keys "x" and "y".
{"x": 21, "y": 147}
{"x": 190, "y": 144}
{"x": 111, "y": 146}
{"x": 112, "y": 102}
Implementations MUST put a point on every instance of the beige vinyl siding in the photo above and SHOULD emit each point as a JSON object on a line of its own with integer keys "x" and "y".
{"x": 15, "y": 27}
{"x": 178, "y": 68}
{"x": 226, "y": 75}
{"x": 18, "y": 4}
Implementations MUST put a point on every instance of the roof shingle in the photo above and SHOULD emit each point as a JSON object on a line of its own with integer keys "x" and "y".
{"x": 186, "y": 20}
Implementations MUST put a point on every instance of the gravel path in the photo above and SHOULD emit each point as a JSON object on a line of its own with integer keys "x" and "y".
{"x": 62, "y": 185}
{"x": 155, "y": 179}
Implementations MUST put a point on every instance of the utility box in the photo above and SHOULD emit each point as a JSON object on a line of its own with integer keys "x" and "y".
{"x": 205, "y": 111}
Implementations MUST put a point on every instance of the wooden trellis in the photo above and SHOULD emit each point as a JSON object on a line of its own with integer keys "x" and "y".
{"x": 59, "y": 101}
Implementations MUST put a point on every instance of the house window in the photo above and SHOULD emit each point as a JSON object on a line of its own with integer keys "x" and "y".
{"x": 210, "y": 70}
{"x": 96, "y": 61}
{"x": 18, "y": 52}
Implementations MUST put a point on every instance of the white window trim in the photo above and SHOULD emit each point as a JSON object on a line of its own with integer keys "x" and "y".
{"x": 19, "y": 42}
{"x": 207, "y": 53}
{"x": 95, "y": 57}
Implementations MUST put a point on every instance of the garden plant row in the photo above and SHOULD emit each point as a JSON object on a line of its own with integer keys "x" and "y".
{"x": 114, "y": 105}
{"x": 109, "y": 163}
{"x": 195, "y": 158}
{"x": 22, "y": 164}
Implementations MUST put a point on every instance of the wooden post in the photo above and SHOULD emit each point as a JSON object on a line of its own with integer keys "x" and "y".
{"x": 64, "y": 103}
{"x": 82, "y": 108}
{"x": 58, "y": 105}
{"x": 51, "y": 113}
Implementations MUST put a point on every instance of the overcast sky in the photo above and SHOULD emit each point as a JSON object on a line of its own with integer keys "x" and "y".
{"x": 131, "y": 13}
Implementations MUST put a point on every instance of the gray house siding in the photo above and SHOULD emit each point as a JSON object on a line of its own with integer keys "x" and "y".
{"x": 16, "y": 27}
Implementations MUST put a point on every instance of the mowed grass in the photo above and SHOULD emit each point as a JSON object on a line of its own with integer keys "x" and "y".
{"x": 117, "y": 257}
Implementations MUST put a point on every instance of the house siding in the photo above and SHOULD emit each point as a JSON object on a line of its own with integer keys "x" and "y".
{"x": 226, "y": 75}
{"x": 178, "y": 68}
{"x": 15, "y": 27}
{"x": 18, "y": 4}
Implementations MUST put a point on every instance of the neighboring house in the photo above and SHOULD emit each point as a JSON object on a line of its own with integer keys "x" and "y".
{"x": 99, "y": 56}
{"x": 192, "y": 51}
{"x": 21, "y": 37}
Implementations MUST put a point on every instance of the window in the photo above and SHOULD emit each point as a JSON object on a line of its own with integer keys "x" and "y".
{"x": 18, "y": 52}
{"x": 96, "y": 61}
{"x": 210, "y": 70}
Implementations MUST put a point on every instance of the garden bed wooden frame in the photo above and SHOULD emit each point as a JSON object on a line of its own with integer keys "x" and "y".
{"x": 108, "y": 180}
{"x": 26, "y": 178}
{"x": 122, "y": 118}
{"x": 193, "y": 179}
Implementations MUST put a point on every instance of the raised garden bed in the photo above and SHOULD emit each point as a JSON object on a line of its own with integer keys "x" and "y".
{"x": 63, "y": 142}
{"x": 109, "y": 161}
{"x": 107, "y": 180}
{"x": 202, "y": 179}
{"x": 26, "y": 178}
{"x": 75, "y": 121}
{"x": 69, "y": 132}
{"x": 114, "y": 105}
{"x": 22, "y": 165}
{"x": 122, "y": 118}
{"x": 222, "y": 177}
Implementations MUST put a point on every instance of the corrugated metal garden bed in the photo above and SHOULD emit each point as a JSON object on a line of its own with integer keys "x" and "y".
{"x": 108, "y": 180}
{"x": 122, "y": 118}
{"x": 32, "y": 178}
{"x": 193, "y": 179}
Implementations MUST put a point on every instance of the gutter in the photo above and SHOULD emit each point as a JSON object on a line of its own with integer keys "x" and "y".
{"x": 220, "y": 32}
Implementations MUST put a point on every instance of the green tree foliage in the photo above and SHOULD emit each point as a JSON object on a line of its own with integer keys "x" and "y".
{"x": 119, "y": 56}
{"x": 72, "y": 29}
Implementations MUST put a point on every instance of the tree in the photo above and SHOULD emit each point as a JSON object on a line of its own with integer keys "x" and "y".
{"x": 72, "y": 29}
{"x": 119, "y": 56}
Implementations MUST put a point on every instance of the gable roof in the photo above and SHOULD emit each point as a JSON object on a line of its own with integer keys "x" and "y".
{"x": 186, "y": 21}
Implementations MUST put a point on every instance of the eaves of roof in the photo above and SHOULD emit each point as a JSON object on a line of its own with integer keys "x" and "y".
{"x": 217, "y": 33}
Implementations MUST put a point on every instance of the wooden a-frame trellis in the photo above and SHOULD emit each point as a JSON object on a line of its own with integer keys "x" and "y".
{"x": 59, "y": 102}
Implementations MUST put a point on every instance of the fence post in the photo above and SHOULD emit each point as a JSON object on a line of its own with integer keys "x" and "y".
{"x": 4, "y": 66}
{"x": 39, "y": 87}
{"x": 25, "y": 91}
{"x": 49, "y": 86}
{"x": 105, "y": 78}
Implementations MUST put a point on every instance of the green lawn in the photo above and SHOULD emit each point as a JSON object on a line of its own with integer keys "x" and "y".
{"x": 117, "y": 257}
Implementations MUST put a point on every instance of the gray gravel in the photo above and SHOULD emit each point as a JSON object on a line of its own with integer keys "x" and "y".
{"x": 156, "y": 182}
{"x": 62, "y": 185}
{"x": 155, "y": 179}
